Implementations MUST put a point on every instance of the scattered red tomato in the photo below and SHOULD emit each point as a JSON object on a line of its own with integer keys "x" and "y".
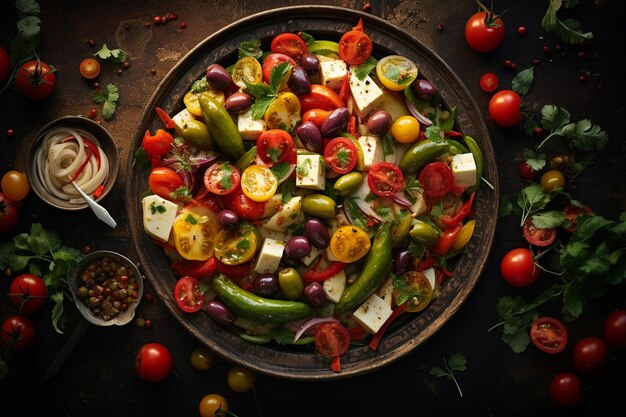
{"x": 504, "y": 108}
{"x": 615, "y": 329}
{"x": 15, "y": 185}
{"x": 35, "y": 80}
{"x": 332, "y": 339}
{"x": 484, "y": 31}
{"x": 518, "y": 267}
{"x": 28, "y": 292}
{"x": 164, "y": 182}
{"x": 489, "y": 82}
{"x": 5, "y": 65}
{"x": 17, "y": 333}
{"x": 289, "y": 44}
{"x": 188, "y": 294}
{"x": 9, "y": 213}
{"x": 153, "y": 362}
{"x": 355, "y": 46}
{"x": 589, "y": 355}
{"x": 566, "y": 390}
{"x": 274, "y": 146}
{"x": 526, "y": 171}
{"x": 89, "y": 68}
{"x": 549, "y": 335}
{"x": 341, "y": 155}
{"x": 572, "y": 213}
{"x": 222, "y": 178}
{"x": 538, "y": 236}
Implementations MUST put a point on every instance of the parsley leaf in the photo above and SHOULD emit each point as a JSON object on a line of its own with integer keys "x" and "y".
{"x": 280, "y": 170}
{"x": 227, "y": 180}
{"x": 308, "y": 39}
{"x": 108, "y": 99}
{"x": 116, "y": 56}
{"x": 190, "y": 219}
{"x": 344, "y": 157}
{"x": 523, "y": 80}
{"x": 250, "y": 48}
{"x": 199, "y": 86}
{"x": 265, "y": 94}
{"x": 549, "y": 219}
{"x": 535, "y": 160}
{"x": 363, "y": 69}
{"x": 434, "y": 133}
{"x": 568, "y": 31}
{"x": 531, "y": 200}
{"x": 455, "y": 363}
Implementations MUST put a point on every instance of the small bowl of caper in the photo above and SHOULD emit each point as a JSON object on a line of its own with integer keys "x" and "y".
{"x": 107, "y": 287}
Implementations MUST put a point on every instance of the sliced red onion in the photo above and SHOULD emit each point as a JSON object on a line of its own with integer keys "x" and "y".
{"x": 424, "y": 121}
{"x": 310, "y": 323}
{"x": 367, "y": 209}
{"x": 401, "y": 200}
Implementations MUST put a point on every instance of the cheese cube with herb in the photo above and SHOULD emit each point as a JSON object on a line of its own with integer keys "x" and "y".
{"x": 332, "y": 73}
{"x": 335, "y": 286}
{"x": 366, "y": 94}
{"x": 464, "y": 169}
{"x": 158, "y": 216}
{"x": 270, "y": 256}
{"x": 310, "y": 172}
{"x": 288, "y": 217}
{"x": 372, "y": 150}
{"x": 248, "y": 127}
{"x": 372, "y": 314}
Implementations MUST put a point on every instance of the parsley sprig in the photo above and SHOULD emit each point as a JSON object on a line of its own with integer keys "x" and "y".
{"x": 455, "y": 363}
{"x": 265, "y": 94}
{"x": 569, "y": 30}
{"x": 115, "y": 56}
{"x": 582, "y": 135}
{"x": 108, "y": 99}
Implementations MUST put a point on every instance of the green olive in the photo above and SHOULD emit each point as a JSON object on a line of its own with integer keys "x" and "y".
{"x": 196, "y": 133}
{"x": 290, "y": 283}
{"x": 424, "y": 234}
{"x": 348, "y": 183}
{"x": 318, "y": 205}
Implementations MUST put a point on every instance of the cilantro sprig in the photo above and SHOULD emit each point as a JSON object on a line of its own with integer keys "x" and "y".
{"x": 582, "y": 135}
{"x": 115, "y": 56}
{"x": 569, "y": 30}
{"x": 265, "y": 94}
{"x": 108, "y": 99}
{"x": 455, "y": 363}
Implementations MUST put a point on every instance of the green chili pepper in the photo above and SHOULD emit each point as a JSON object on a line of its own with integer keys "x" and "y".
{"x": 420, "y": 154}
{"x": 478, "y": 159}
{"x": 256, "y": 339}
{"x": 221, "y": 126}
{"x": 247, "y": 159}
{"x": 373, "y": 273}
{"x": 457, "y": 147}
{"x": 257, "y": 308}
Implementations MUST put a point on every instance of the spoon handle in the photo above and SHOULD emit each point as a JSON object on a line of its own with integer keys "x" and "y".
{"x": 101, "y": 212}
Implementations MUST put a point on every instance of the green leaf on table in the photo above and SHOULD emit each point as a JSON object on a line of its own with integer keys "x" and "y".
{"x": 585, "y": 136}
{"x": 573, "y": 299}
{"x": 108, "y": 99}
{"x": 57, "y": 311}
{"x": 523, "y": 80}
{"x": 455, "y": 363}
{"x": 549, "y": 219}
{"x": 553, "y": 117}
{"x": 536, "y": 160}
{"x": 568, "y": 31}
{"x": 116, "y": 56}
{"x": 506, "y": 207}
{"x": 28, "y": 7}
{"x": 588, "y": 225}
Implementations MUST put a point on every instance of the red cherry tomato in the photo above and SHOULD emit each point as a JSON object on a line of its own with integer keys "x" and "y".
{"x": 35, "y": 80}
{"x": 274, "y": 146}
{"x": 9, "y": 213}
{"x": 89, "y": 68}
{"x": 289, "y": 44}
{"x": 317, "y": 116}
{"x": 504, "y": 108}
{"x": 437, "y": 179}
{"x": 222, "y": 178}
{"x": 17, "y": 333}
{"x": 153, "y": 362}
{"x": 572, "y": 213}
{"x": 615, "y": 329}
{"x": 332, "y": 339}
{"x": 518, "y": 267}
{"x": 188, "y": 294}
{"x": 320, "y": 97}
{"x": 489, "y": 82}
{"x": 355, "y": 46}
{"x": 245, "y": 207}
{"x": 28, "y": 292}
{"x": 385, "y": 179}
{"x": 341, "y": 155}
{"x": 273, "y": 60}
{"x": 484, "y": 32}
{"x": 566, "y": 390}
{"x": 549, "y": 335}
{"x": 538, "y": 236}
{"x": 589, "y": 355}
{"x": 526, "y": 171}
{"x": 164, "y": 182}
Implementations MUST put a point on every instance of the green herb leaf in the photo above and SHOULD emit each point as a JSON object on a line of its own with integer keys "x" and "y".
{"x": 506, "y": 207}
{"x": 308, "y": 39}
{"x": 568, "y": 31}
{"x": 288, "y": 190}
{"x": 531, "y": 200}
{"x": 250, "y": 48}
{"x": 199, "y": 86}
{"x": 388, "y": 145}
{"x": 227, "y": 180}
{"x": 585, "y": 136}
{"x": 190, "y": 219}
{"x": 259, "y": 90}
{"x": 141, "y": 159}
{"x": 445, "y": 120}
{"x": 549, "y": 219}
{"x": 455, "y": 363}
{"x": 278, "y": 74}
{"x": 108, "y": 99}
{"x": 536, "y": 160}
{"x": 259, "y": 107}
{"x": 116, "y": 56}
{"x": 57, "y": 311}
{"x": 434, "y": 133}
{"x": 243, "y": 244}
{"x": 362, "y": 70}
{"x": 182, "y": 194}
{"x": 523, "y": 80}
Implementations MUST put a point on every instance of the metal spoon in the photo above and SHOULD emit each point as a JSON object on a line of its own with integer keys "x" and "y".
{"x": 101, "y": 212}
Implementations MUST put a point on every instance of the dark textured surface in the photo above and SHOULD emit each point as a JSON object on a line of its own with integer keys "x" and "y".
{"x": 99, "y": 378}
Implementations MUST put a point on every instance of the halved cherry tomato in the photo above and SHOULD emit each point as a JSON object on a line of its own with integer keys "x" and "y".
{"x": 436, "y": 179}
{"x": 247, "y": 70}
{"x": 272, "y": 61}
{"x": 237, "y": 245}
{"x": 245, "y": 207}
{"x": 416, "y": 292}
{"x": 332, "y": 339}
{"x": 289, "y": 44}
{"x": 316, "y": 116}
{"x": 396, "y": 72}
{"x": 549, "y": 335}
{"x": 341, "y": 155}
{"x": 222, "y": 178}
{"x": 349, "y": 244}
{"x": 192, "y": 101}
{"x": 355, "y": 46}
{"x": 259, "y": 183}
{"x": 385, "y": 179}
{"x": 320, "y": 97}
{"x": 194, "y": 232}
{"x": 489, "y": 82}
{"x": 188, "y": 295}
{"x": 234, "y": 272}
{"x": 164, "y": 182}
{"x": 572, "y": 212}
{"x": 158, "y": 144}
{"x": 284, "y": 112}
{"x": 274, "y": 146}
{"x": 538, "y": 236}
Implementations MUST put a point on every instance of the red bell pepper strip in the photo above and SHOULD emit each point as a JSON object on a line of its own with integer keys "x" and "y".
{"x": 460, "y": 215}
{"x": 453, "y": 134}
{"x": 425, "y": 264}
{"x": 314, "y": 274}
{"x": 335, "y": 364}
{"x": 234, "y": 272}
{"x": 81, "y": 167}
{"x": 344, "y": 90}
{"x": 352, "y": 126}
{"x": 446, "y": 240}
{"x": 167, "y": 120}
{"x": 379, "y": 334}
{"x": 196, "y": 269}
{"x": 98, "y": 191}
{"x": 92, "y": 146}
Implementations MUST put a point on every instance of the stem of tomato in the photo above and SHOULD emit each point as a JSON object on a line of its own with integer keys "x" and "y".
{"x": 453, "y": 377}
{"x": 256, "y": 401}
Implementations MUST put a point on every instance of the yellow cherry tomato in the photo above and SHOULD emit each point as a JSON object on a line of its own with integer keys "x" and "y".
{"x": 416, "y": 294}
{"x": 15, "y": 185}
{"x": 396, "y": 72}
{"x": 405, "y": 129}
{"x": 237, "y": 245}
{"x": 241, "y": 379}
{"x": 192, "y": 103}
{"x": 349, "y": 244}
{"x": 552, "y": 180}
{"x": 464, "y": 236}
{"x": 247, "y": 69}
{"x": 213, "y": 405}
{"x": 284, "y": 112}
{"x": 258, "y": 183}
{"x": 194, "y": 231}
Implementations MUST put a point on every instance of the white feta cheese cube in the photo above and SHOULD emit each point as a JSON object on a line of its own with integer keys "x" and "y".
{"x": 310, "y": 172}
{"x": 386, "y": 291}
{"x": 464, "y": 169}
{"x": 330, "y": 256}
{"x": 270, "y": 256}
{"x": 372, "y": 314}
{"x": 291, "y": 213}
{"x": 334, "y": 287}
{"x": 372, "y": 150}
{"x": 180, "y": 120}
{"x": 158, "y": 216}
{"x": 248, "y": 127}
{"x": 332, "y": 73}
{"x": 367, "y": 95}
{"x": 312, "y": 256}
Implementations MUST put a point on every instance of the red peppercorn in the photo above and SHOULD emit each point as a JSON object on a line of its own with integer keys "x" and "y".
{"x": 85, "y": 250}
{"x": 148, "y": 323}
{"x": 91, "y": 42}
{"x": 96, "y": 86}
{"x": 538, "y": 132}
{"x": 164, "y": 19}
{"x": 125, "y": 65}
{"x": 536, "y": 62}
{"x": 582, "y": 78}
{"x": 183, "y": 25}
{"x": 522, "y": 30}
{"x": 156, "y": 20}
{"x": 557, "y": 47}
{"x": 147, "y": 24}
{"x": 546, "y": 49}
{"x": 172, "y": 16}
{"x": 582, "y": 55}
{"x": 507, "y": 63}
{"x": 152, "y": 71}
{"x": 92, "y": 113}
{"x": 440, "y": 27}
{"x": 10, "y": 133}
{"x": 367, "y": 6}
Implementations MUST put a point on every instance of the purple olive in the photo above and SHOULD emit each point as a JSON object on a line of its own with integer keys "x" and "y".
{"x": 290, "y": 262}
{"x": 297, "y": 247}
{"x": 317, "y": 233}
{"x": 265, "y": 285}
{"x": 379, "y": 122}
{"x": 335, "y": 122}
{"x": 228, "y": 218}
{"x": 315, "y": 295}
{"x": 220, "y": 313}
{"x": 218, "y": 77}
{"x": 310, "y": 136}
{"x": 424, "y": 89}
{"x": 310, "y": 62}
{"x": 238, "y": 103}
{"x": 299, "y": 81}
{"x": 403, "y": 262}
